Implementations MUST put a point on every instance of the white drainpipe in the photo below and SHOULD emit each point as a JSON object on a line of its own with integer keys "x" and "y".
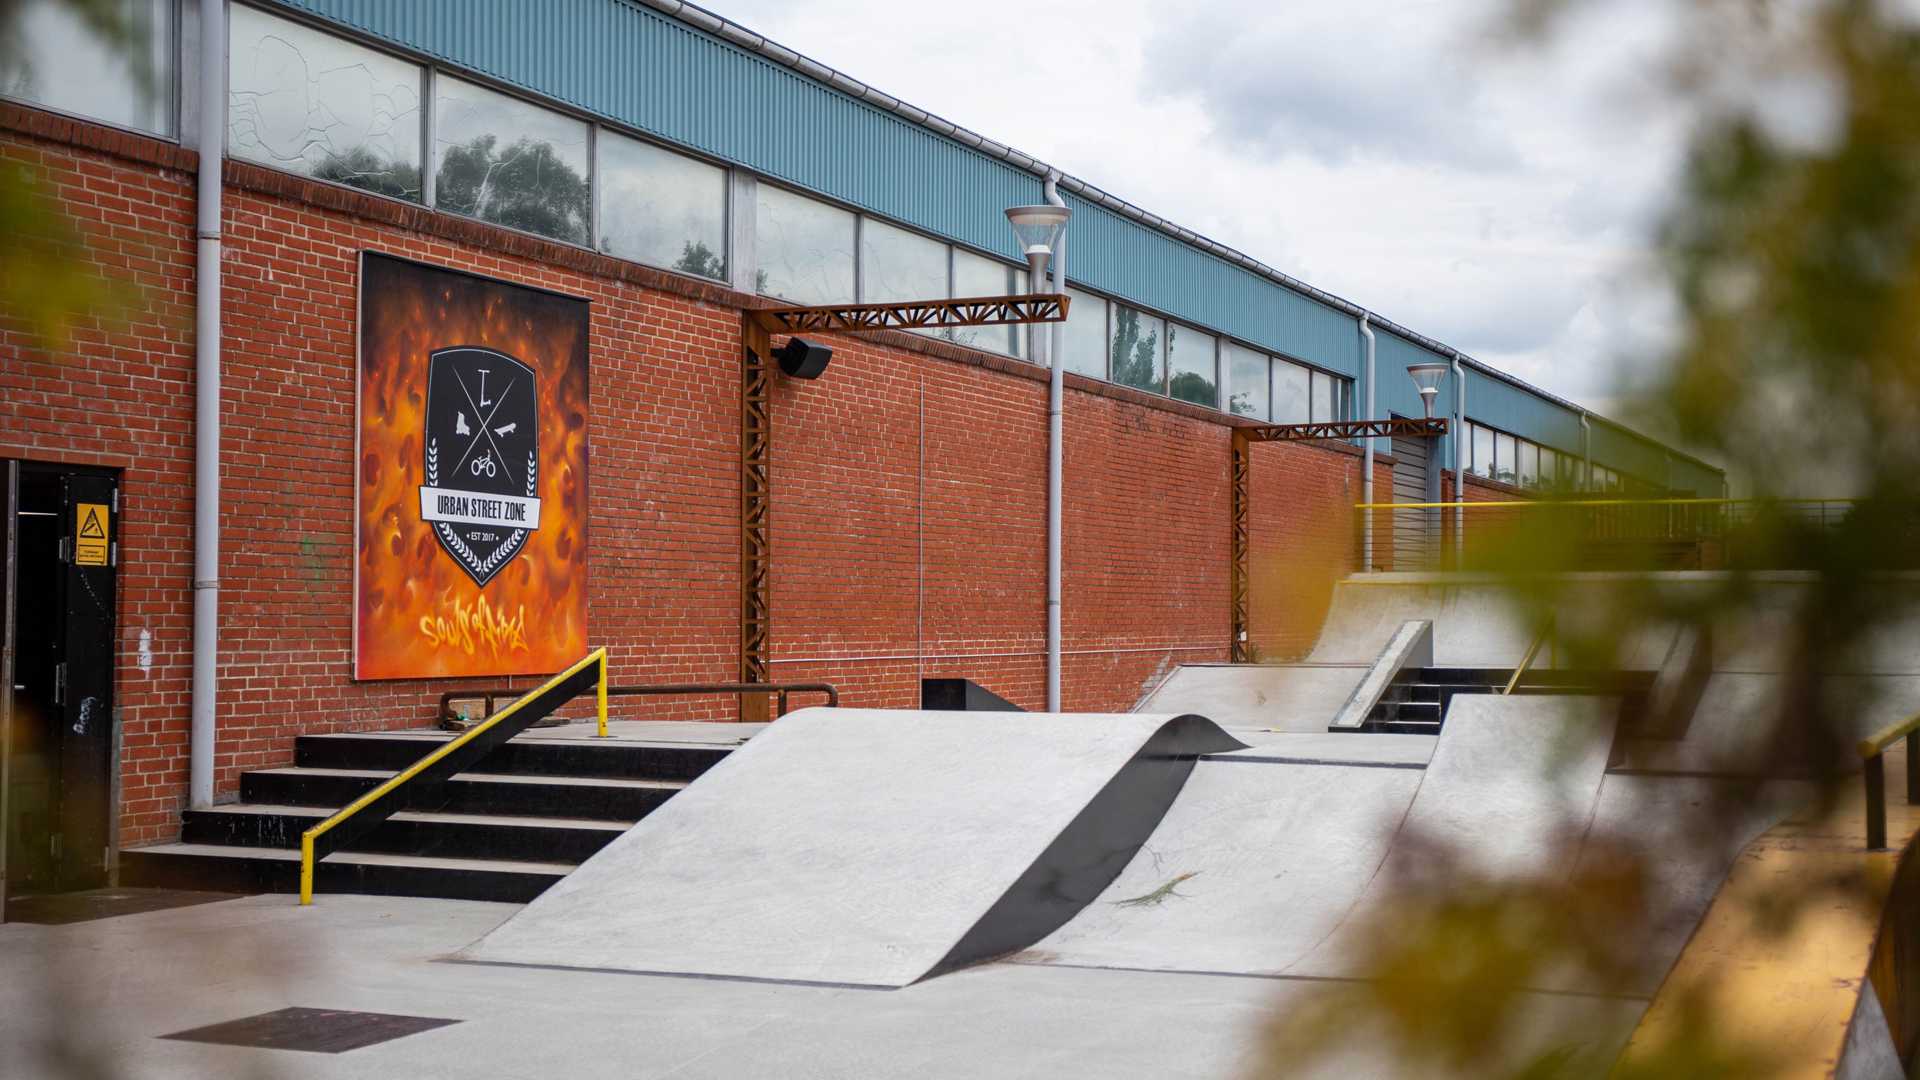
{"x": 1056, "y": 392}
{"x": 1459, "y": 456}
{"x": 1586, "y": 453}
{"x": 206, "y": 414}
{"x": 1366, "y": 459}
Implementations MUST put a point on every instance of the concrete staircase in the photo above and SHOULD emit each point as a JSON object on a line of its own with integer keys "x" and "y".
{"x": 1416, "y": 703}
{"x": 506, "y": 830}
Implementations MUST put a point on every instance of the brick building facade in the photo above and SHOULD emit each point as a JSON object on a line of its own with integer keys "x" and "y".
{"x": 909, "y": 483}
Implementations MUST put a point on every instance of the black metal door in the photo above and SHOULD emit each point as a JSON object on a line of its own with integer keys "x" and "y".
{"x": 83, "y": 679}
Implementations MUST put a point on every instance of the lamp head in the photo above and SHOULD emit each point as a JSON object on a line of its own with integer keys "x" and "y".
{"x": 1427, "y": 379}
{"x": 1038, "y": 227}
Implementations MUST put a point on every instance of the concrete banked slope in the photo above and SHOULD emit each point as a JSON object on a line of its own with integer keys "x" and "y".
{"x": 868, "y": 847}
{"x": 1285, "y": 857}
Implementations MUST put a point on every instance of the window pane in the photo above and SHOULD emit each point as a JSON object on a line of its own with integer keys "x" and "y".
{"x": 977, "y": 275}
{"x": 1086, "y": 334}
{"x": 1137, "y": 350}
{"x": 510, "y": 162}
{"x": 1290, "y": 384}
{"x": 312, "y": 103}
{"x": 1190, "y": 366}
{"x": 662, "y": 208}
{"x": 1529, "y": 467}
{"x": 63, "y": 65}
{"x": 805, "y": 248}
{"x": 1322, "y": 398}
{"x": 899, "y": 265}
{"x": 1247, "y": 377}
{"x": 1549, "y": 467}
{"x": 1483, "y": 450}
{"x": 1504, "y": 458}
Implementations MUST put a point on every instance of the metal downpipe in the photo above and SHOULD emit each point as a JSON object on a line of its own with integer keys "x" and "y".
{"x": 1366, "y": 458}
{"x": 206, "y": 413}
{"x": 1459, "y": 428}
{"x": 1586, "y": 452}
{"x": 1056, "y": 393}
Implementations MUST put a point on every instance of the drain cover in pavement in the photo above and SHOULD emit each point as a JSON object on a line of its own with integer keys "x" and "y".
{"x": 322, "y": 1031}
{"x": 54, "y": 909}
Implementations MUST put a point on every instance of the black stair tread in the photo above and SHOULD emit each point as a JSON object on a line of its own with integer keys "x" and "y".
{"x": 364, "y": 858}
{"x": 528, "y": 821}
{"x": 485, "y": 778}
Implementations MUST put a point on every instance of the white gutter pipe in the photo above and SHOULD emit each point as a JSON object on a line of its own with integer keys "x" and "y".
{"x": 1586, "y": 452}
{"x": 1459, "y": 457}
{"x": 1056, "y": 393}
{"x": 1366, "y": 459}
{"x": 206, "y": 413}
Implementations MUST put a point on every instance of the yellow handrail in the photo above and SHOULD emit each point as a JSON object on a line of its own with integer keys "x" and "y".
{"x": 1876, "y": 744}
{"x": 597, "y": 656}
{"x": 1548, "y": 500}
{"x": 1526, "y": 661}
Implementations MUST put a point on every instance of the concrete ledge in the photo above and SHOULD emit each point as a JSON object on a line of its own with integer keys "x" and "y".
{"x": 1791, "y": 1000}
{"x": 1410, "y": 647}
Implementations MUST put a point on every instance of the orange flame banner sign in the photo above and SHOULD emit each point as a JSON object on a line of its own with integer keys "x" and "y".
{"x": 471, "y": 544}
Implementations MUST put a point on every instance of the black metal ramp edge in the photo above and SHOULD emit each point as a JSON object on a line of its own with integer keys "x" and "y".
{"x": 1094, "y": 847}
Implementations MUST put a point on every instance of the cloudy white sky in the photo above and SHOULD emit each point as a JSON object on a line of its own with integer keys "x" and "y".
{"x": 1494, "y": 197}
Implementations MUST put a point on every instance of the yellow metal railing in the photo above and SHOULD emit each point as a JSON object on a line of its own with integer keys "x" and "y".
{"x": 1533, "y": 652}
{"x": 1873, "y": 748}
{"x": 441, "y": 753}
{"x": 1546, "y": 499}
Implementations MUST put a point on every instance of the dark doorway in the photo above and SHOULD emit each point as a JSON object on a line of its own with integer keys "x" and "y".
{"x": 56, "y": 779}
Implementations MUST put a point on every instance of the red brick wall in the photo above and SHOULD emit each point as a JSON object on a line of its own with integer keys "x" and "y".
{"x": 1486, "y": 529}
{"x": 909, "y": 483}
{"x": 124, "y": 399}
{"x": 1304, "y": 535}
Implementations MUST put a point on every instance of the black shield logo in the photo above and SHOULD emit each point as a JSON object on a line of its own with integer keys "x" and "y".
{"x": 482, "y": 443}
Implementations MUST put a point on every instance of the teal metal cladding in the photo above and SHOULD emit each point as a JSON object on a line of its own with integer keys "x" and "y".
{"x": 641, "y": 69}
{"x": 1498, "y": 403}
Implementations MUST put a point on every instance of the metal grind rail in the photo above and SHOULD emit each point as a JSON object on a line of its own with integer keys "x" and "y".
{"x": 1533, "y": 653}
{"x": 779, "y": 691}
{"x": 1873, "y": 749}
{"x": 450, "y": 757}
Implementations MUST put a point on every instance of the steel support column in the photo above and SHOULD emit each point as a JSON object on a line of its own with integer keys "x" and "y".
{"x": 1244, "y": 436}
{"x": 756, "y": 436}
{"x": 1237, "y": 586}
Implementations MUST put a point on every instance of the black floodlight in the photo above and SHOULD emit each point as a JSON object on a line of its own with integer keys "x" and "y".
{"x": 803, "y": 359}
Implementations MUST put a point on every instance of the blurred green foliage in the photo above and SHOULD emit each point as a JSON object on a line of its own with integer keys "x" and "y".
{"x": 1792, "y": 249}
{"x": 50, "y": 287}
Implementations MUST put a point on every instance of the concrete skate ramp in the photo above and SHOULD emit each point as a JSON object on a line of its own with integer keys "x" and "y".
{"x": 1281, "y": 697}
{"x": 868, "y": 847}
{"x": 1690, "y": 829}
{"x": 1475, "y": 621}
{"x": 1721, "y": 739}
{"x": 1288, "y": 861}
{"x": 1278, "y": 854}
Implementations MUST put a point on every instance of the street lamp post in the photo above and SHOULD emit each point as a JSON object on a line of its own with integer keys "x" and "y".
{"x": 1040, "y": 231}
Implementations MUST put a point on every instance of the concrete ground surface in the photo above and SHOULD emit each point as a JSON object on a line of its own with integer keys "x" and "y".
{"x": 118, "y": 984}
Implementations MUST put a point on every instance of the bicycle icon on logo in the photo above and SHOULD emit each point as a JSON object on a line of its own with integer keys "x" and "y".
{"x": 483, "y": 465}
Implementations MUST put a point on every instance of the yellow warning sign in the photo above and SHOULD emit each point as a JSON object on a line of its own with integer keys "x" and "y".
{"x": 90, "y": 539}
